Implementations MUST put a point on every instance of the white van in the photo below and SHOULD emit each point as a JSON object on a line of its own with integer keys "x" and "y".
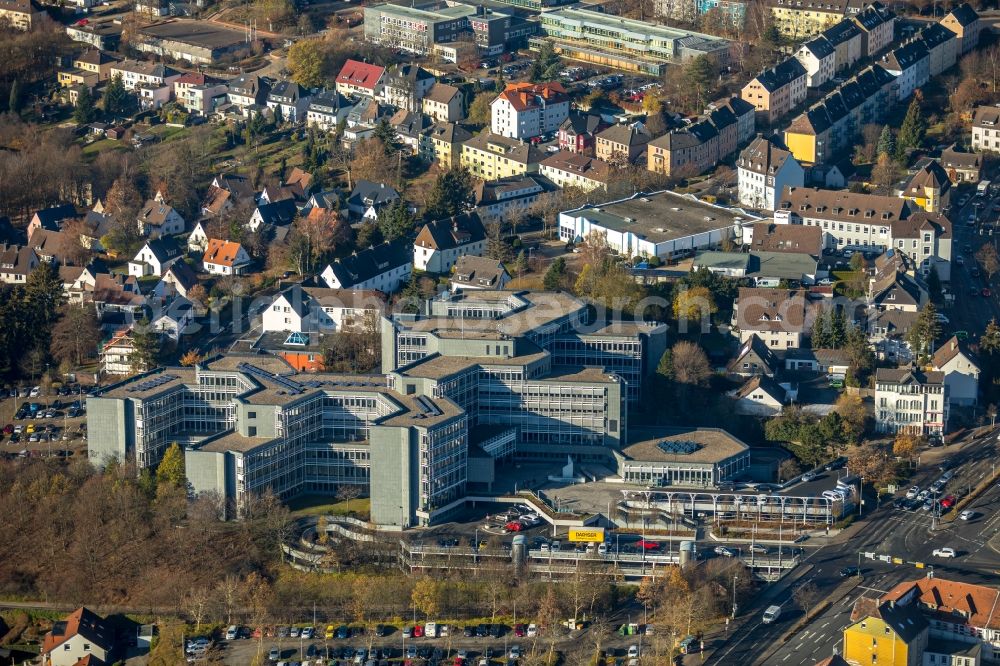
{"x": 771, "y": 614}
{"x": 431, "y": 630}
{"x": 232, "y": 632}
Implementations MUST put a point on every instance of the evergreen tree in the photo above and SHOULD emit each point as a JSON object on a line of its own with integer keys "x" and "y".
{"x": 368, "y": 235}
{"x": 116, "y": 97}
{"x": 521, "y": 263}
{"x": 838, "y": 329}
{"x": 913, "y": 129}
{"x": 555, "y": 275}
{"x": 387, "y": 135}
{"x": 170, "y": 471}
{"x": 145, "y": 346}
{"x": 934, "y": 285}
{"x": 14, "y": 103}
{"x": 886, "y": 142}
{"x": 84, "y": 111}
{"x": 497, "y": 246}
{"x": 925, "y": 330}
{"x": 452, "y": 194}
{"x": 278, "y": 115}
{"x": 820, "y": 338}
{"x": 396, "y": 221}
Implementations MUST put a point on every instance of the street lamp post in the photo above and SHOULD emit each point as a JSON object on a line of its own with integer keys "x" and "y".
{"x": 735, "y": 578}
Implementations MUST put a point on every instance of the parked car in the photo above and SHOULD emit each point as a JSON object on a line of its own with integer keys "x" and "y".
{"x": 912, "y": 492}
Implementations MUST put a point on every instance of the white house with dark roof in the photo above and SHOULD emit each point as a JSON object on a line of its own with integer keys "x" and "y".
{"x": 819, "y": 59}
{"x": 277, "y": 214}
{"x": 779, "y": 317}
{"x": 961, "y": 371}
{"x": 154, "y": 257}
{"x": 403, "y": 87}
{"x": 759, "y": 396}
{"x": 82, "y": 637}
{"x": 174, "y": 319}
{"x": 327, "y": 109}
{"x": 16, "y": 263}
{"x": 753, "y": 358}
{"x": 179, "y": 279}
{"x": 368, "y": 198}
{"x": 290, "y": 100}
{"x": 764, "y": 170}
{"x": 912, "y": 401}
{"x": 440, "y": 243}
{"x": 305, "y": 309}
{"x": 385, "y": 268}
{"x": 911, "y": 65}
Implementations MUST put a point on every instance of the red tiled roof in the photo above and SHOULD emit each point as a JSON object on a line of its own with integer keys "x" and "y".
{"x": 361, "y": 74}
{"x": 221, "y": 252}
{"x": 522, "y": 95}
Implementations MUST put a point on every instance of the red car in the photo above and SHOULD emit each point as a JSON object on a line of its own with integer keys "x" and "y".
{"x": 418, "y": 631}
{"x": 948, "y": 502}
{"x": 513, "y": 526}
{"x": 648, "y": 545}
{"x": 986, "y": 292}
{"x": 8, "y": 429}
{"x": 520, "y": 630}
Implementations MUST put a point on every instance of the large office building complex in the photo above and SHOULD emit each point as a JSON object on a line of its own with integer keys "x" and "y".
{"x": 473, "y": 379}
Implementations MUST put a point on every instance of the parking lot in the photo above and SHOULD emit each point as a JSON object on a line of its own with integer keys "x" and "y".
{"x": 35, "y": 422}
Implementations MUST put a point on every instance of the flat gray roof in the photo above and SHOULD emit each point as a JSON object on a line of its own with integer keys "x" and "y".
{"x": 714, "y": 445}
{"x": 196, "y": 33}
{"x": 661, "y": 216}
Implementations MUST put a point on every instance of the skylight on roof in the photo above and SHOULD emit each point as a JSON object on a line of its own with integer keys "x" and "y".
{"x": 679, "y": 447}
{"x": 297, "y": 338}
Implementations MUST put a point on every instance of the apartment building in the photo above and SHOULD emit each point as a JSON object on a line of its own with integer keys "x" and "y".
{"x": 440, "y": 243}
{"x": 527, "y": 110}
{"x": 776, "y": 91}
{"x": 878, "y": 27}
{"x": 404, "y": 86}
{"x": 442, "y": 143}
{"x": 444, "y": 103}
{"x": 781, "y": 318}
{"x": 327, "y": 109}
{"x": 956, "y": 611}
{"x": 307, "y": 309}
{"x": 491, "y": 156}
{"x": 578, "y": 133}
{"x": 249, "y": 92}
{"x": 798, "y": 19}
{"x": 137, "y": 74}
{"x": 764, "y": 170}
{"x": 625, "y": 44}
{"x": 576, "y": 170}
{"x": 699, "y": 146}
{"x": 289, "y": 100}
{"x": 869, "y": 222}
{"x": 986, "y": 129}
{"x": 384, "y": 267}
{"x": 911, "y": 65}
{"x": 825, "y": 130}
{"x": 846, "y": 38}
{"x": 622, "y": 143}
{"x": 967, "y": 26}
{"x": 911, "y": 401}
{"x": 928, "y": 188}
{"x": 21, "y": 14}
{"x": 942, "y": 48}
{"x": 885, "y": 633}
{"x": 819, "y": 58}
{"x": 496, "y": 198}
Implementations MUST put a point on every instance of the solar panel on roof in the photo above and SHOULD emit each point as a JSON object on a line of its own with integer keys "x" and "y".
{"x": 293, "y": 387}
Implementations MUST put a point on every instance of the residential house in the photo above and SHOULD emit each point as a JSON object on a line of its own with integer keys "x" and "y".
{"x": 961, "y": 371}
{"x": 745, "y": 114}
{"x": 440, "y": 243}
{"x": 966, "y": 24}
{"x": 892, "y": 289}
{"x": 307, "y": 309}
{"x": 754, "y": 358}
{"x": 888, "y": 330}
{"x": 776, "y": 316}
{"x": 248, "y": 93}
{"x": 444, "y": 103}
{"x": 759, "y": 396}
{"x": 403, "y": 87}
{"x": 578, "y": 133}
{"x": 58, "y": 247}
{"x": 277, "y": 214}
{"x": 790, "y": 238}
{"x": 117, "y": 297}
{"x": 834, "y": 363}
{"x": 299, "y": 182}
{"x": 472, "y": 272}
{"x": 622, "y": 143}
{"x": 16, "y": 263}
{"x": 179, "y": 280}
{"x": 442, "y": 143}
{"x": 155, "y": 257}
{"x": 159, "y": 219}
{"x": 878, "y": 28}
{"x": 96, "y": 62}
{"x": 138, "y": 74}
{"x": 360, "y": 79}
{"x": 819, "y": 58}
{"x": 225, "y": 258}
{"x": 955, "y": 610}
{"x": 776, "y": 91}
{"x": 929, "y": 188}
{"x": 81, "y": 635}
{"x": 118, "y": 354}
{"x": 688, "y": 151}
{"x": 962, "y": 167}
{"x": 846, "y": 38}
{"x": 764, "y": 170}
{"x": 727, "y": 125}
{"x": 197, "y": 240}
{"x": 200, "y": 95}
{"x": 828, "y": 128}
{"x": 927, "y": 239}
{"x": 527, "y": 110}
{"x": 885, "y": 633}
{"x": 409, "y": 127}
{"x": 78, "y": 283}
{"x": 327, "y": 110}
{"x": 226, "y": 191}
{"x": 51, "y": 219}
{"x": 368, "y": 199}
{"x": 174, "y": 319}
{"x": 912, "y": 401}
{"x": 576, "y": 170}
{"x": 385, "y": 267}
{"x": 492, "y": 156}
{"x": 798, "y": 19}
{"x": 986, "y": 129}
{"x": 910, "y": 64}
{"x": 289, "y": 101}
{"x": 512, "y": 196}
{"x": 942, "y": 48}
{"x": 21, "y": 14}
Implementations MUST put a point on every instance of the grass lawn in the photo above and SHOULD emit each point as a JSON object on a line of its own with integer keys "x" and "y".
{"x": 314, "y": 505}
{"x": 166, "y": 133}
{"x": 94, "y": 149}
{"x": 526, "y": 282}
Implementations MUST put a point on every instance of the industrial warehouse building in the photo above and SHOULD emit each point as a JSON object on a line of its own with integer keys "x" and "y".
{"x": 198, "y": 42}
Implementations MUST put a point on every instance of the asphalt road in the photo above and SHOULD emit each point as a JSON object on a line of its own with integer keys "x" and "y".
{"x": 972, "y": 313}
{"x": 910, "y": 536}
